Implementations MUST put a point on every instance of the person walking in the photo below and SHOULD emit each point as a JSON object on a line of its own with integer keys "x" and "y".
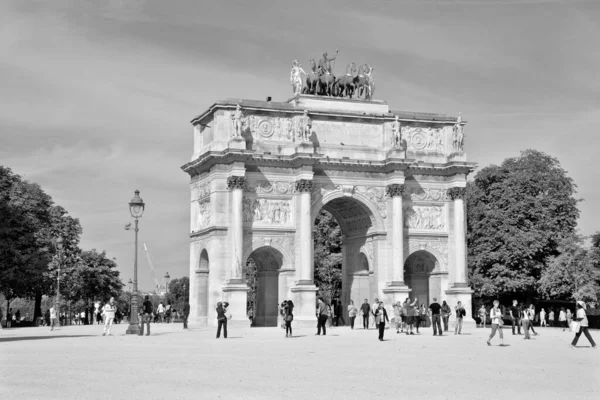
{"x": 531, "y": 311}
{"x": 375, "y": 306}
{"x": 352, "y": 311}
{"x": 397, "y": 321}
{"x": 418, "y": 318}
{"x": 569, "y": 317}
{"x": 186, "y": 313}
{"x": 380, "y": 318}
{"x": 52, "y": 317}
{"x": 581, "y": 317}
{"x": 322, "y": 316}
{"x": 482, "y": 316}
{"x": 109, "y": 311}
{"x": 403, "y": 310}
{"x": 339, "y": 313}
{"x": 146, "y": 312}
{"x": 515, "y": 312}
{"x": 47, "y": 317}
{"x": 289, "y": 317}
{"x": 562, "y": 318}
{"x": 460, "y": 313}
{"x": 161, "y": 313}
{"x": 542, "y": 318}
{"x": 525, "y": 322}
{"x": 410, "y": 316}
{"x": 496, "y": 317}
{"x": 435, "y": 309}
{"x": 366, "y": 311}
{"x": 551, "y": 318}
{"x": 221, "y": 320}
{"x": 446, "y": 312}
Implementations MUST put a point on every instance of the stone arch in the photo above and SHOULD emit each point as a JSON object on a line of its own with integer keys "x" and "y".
{"x": 374, "y": 214}
{"x": 257, "y": 243}
{"x": 441, "y": 261}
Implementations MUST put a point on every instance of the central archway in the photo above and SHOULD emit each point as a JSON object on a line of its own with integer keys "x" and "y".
{"x": 418, "y": 270}
{"x": 356, "y": 223}
{"x": 267, "y": 262}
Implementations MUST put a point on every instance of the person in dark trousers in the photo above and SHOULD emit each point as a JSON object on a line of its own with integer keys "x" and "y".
{"x": 380, "y": 318}
{"x": 515, "y": 312}
{"x": 581, "y": 317}
{"x": 47, "y": 317}
{"x": 446, "y": 312}
{"x": 352, "y": 313}
{"x": 147, "y": 309}
{"x": 366, "y": 310}
{"x": 322, "y": 315}
{"x": 339, "y": 313}
{"x": 435, "y": 309}
{"x": 186, "y": 313}
{"x": 222, "y": 320}
{"x": 289, "y": 317}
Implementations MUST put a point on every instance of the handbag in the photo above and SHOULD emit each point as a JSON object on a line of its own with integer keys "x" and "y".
{"x": 228, "y": 315}
{"x": 575, "y": 326}
{"x": 289, "y": 318}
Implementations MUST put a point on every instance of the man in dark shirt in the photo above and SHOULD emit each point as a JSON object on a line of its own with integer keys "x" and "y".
{"x": 147, "y": 310}
{"x": 515, "y": 313}
{"x": 435, "y": 309}
{"x": 186, "y": 314}
{"x": 366, "y": 309}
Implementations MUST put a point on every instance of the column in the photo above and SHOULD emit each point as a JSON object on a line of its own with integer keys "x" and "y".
{"x": 305, "y": 187}
{"x": 395, "y": 192}
{"x": 460, "y": 245}
{"x": 235, "y": 291}
{"x": 236, "y": 184}
{"x": 305, "y": 292}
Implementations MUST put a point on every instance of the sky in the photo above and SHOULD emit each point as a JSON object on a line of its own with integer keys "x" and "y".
{"x": 96, "y": 96}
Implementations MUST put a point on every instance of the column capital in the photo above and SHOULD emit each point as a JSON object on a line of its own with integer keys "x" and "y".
{"x": 394, "y": 190}
{"x": 304, "y": 186}
{"x": 236, "y": 182}
{"x": 457, "y": 193}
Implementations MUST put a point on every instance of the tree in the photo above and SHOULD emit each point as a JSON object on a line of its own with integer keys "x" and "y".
{"x": 96, "y": 277}
{"x": 328, "y": 256}
{"x": 178, "y": 292}
{"x": 517, "y": 214}
{"x": 574, "y": 274}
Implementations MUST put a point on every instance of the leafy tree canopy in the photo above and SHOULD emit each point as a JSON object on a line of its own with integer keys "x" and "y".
{"x": 517, "y": 214}
{"x": 328, "y": 256}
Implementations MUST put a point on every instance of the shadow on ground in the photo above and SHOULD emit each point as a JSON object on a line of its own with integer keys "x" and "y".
{"x": 24, "y": 338}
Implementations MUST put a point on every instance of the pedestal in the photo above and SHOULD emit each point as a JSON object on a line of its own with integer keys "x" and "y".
{"x": 237, "y": 143}
{"x": 236, "y": 294}
{"x": 305, "y": 147}
{"x": 463, "y": 294}
{"x": 398, "y": 291}
{"x": 305, "y": 303}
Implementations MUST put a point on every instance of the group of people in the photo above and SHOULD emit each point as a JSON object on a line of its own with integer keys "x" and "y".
{"x": 562, "y": 318}
{"x": 147, "y": 314}
{"x": 523, "y": 317}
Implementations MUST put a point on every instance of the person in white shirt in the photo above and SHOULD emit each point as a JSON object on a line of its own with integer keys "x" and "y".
{"x": 496, "y": 316}
{"x": 109, "y": 310}
{"x": 161, "y": 312}
{"x": 52, "y": 318}
{"x": 542, "y": 318}
{"x": 581, "y": 317}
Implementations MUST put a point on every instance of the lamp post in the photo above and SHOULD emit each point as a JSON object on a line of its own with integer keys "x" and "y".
{"x": 59, "y": 247}
{"x": 136, "y": 208}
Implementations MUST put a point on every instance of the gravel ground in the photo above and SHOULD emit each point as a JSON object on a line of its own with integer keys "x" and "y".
{"x": 77, "y": 362}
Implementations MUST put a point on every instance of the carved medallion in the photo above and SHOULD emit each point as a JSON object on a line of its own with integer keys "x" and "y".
{"x": 265, "y": 128}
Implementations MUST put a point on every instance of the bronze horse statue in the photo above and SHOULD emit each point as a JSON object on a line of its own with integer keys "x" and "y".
{"x": 345, "y": 85}
{"x": 325, "y": 83}
{"x": 364, "y": 82}
{"x": 312, "y": 79}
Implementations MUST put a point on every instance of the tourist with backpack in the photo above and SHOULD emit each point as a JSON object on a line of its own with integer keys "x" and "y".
{"x": 147, "y": 310}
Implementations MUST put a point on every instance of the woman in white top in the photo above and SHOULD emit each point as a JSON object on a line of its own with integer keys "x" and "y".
{"x": 542, "y": 318}
{"x": 352, "y": 311}
{"x": 525, "y": 322}
{"x": 562, "y": 318}
{"x": 496, "y": 316}
{"x": 583, "y": 321}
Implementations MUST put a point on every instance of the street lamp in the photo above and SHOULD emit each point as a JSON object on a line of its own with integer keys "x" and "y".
{"x": 136, "y": 208}
{"x": 59, "y": 247}
{"x": 167, "y": 279}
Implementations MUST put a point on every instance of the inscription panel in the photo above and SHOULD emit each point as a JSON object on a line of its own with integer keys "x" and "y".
{"x": 349, "y": 133}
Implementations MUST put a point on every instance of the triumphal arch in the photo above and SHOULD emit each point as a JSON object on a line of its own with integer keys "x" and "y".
{"x": 261, "y": 171}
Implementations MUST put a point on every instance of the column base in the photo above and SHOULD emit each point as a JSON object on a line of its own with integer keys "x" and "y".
{"x": 237, "y": 297}
{"x": 397, "y": 291}
{"x": 305, "y": 147}
{"x": 237, "y": 143}
{"x": 133, "y": 329}
{"x": 305, "y": 302}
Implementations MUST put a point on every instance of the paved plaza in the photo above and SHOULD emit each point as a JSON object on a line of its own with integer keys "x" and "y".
{"x": 76, "y": 362}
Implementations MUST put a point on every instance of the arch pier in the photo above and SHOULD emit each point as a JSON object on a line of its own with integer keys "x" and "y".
{"x": 262, "y": 171}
